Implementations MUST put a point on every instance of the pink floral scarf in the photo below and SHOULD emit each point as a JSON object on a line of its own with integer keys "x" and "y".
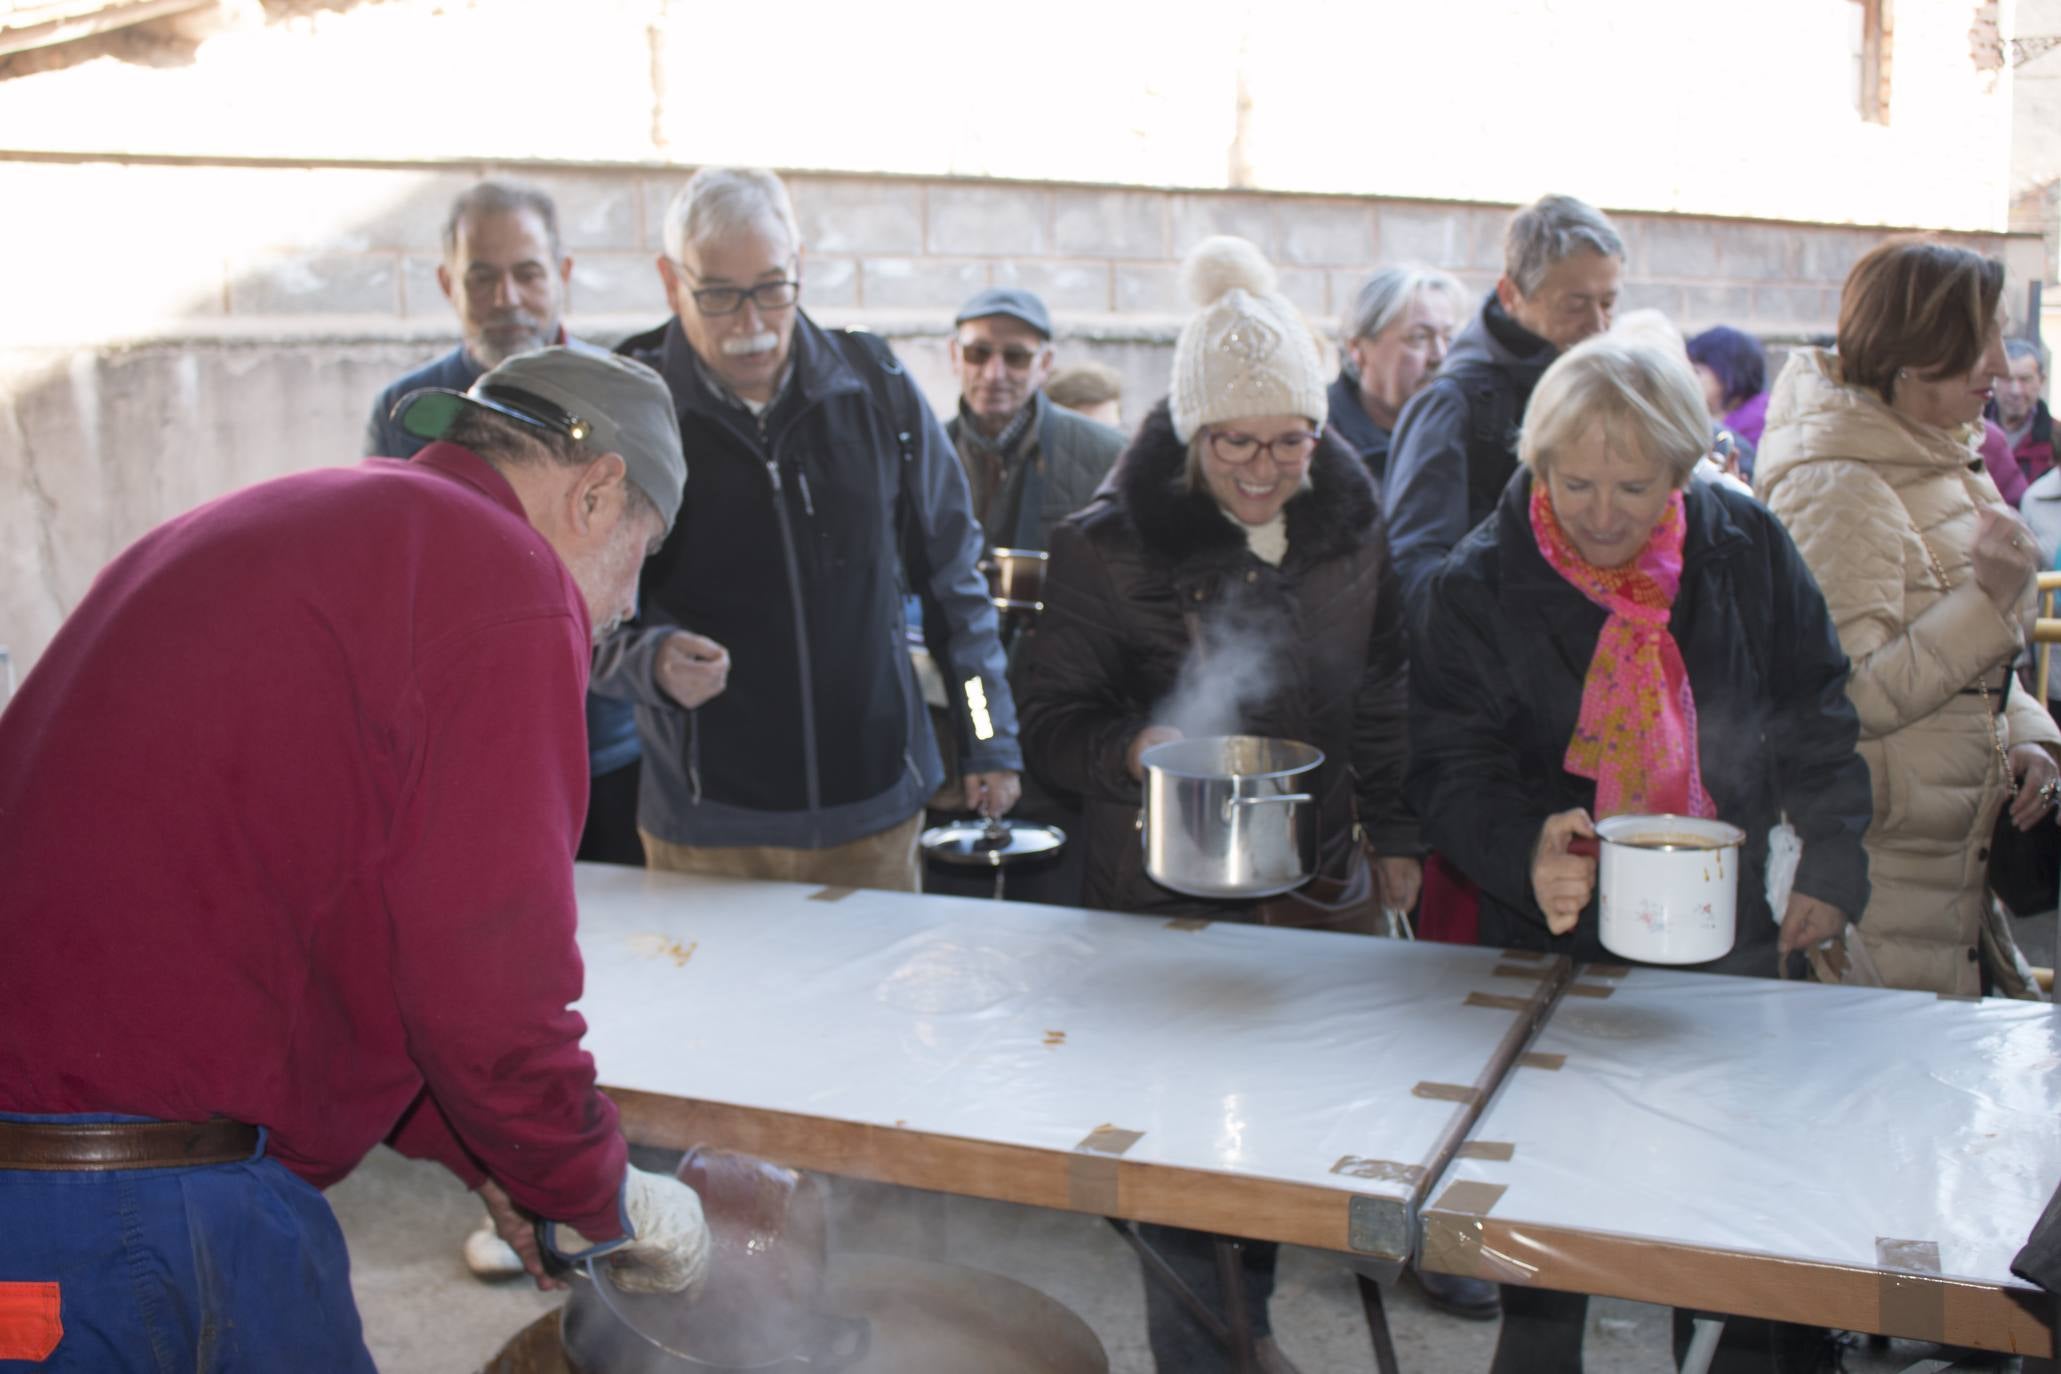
{"x": 1636, "y": 735}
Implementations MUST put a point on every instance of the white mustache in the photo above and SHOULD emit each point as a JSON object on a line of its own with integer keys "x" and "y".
{"x": 738, "y": 345}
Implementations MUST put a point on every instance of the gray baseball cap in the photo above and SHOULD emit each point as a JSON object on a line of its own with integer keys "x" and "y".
{"x": 1012, "y": 301}
{"x": 610, "y": 403}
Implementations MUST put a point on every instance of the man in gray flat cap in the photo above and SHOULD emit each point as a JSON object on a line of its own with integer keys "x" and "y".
{"x": 1029, "y": 463}
{"x": 283, "y": 906}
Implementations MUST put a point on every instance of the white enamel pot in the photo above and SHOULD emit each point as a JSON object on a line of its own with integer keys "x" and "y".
{"x": 1668, "y": 887}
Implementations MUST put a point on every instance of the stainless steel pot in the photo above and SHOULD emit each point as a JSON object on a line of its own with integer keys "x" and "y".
{"x": 1228, "y": 815}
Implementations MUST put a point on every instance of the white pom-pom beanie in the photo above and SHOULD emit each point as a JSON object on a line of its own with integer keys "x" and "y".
{"x": 1247, "y": 351}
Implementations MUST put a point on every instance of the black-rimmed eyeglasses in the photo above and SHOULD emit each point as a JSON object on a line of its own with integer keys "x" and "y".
{"x": 1287, "y": 450}
{"x": 768, "y": 296}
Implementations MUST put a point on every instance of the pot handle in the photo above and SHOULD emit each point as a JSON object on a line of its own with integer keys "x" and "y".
{"x": 1587, "y": 846}
{"x": 1231, "y": 803}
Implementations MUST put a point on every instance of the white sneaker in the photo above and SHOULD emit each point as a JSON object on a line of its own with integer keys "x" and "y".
{"x": 489, "y": 1256}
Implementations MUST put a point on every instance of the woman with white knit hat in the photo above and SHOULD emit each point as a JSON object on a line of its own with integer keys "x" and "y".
{"x": 1235, "y": 579}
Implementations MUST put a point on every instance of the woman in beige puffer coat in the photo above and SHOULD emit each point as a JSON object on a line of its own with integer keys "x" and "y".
{"x": 1869, "y": 459}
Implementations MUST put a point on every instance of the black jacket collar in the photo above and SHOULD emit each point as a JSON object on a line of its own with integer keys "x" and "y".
{"x": 1332, "y": 516}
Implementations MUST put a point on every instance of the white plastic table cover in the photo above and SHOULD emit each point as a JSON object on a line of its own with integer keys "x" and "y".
{"x": 1277, "y": 1084}
{"x": 1854, "y": 1158}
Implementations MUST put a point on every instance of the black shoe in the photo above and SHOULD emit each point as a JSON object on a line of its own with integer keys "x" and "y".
{"x": 1477, "y": 1300}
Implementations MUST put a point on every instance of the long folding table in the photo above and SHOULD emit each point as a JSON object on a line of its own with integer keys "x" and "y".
{"x": 1855, "y": 1158}
{"x": 1852, "y": 1158}
{"x": 1273, "y": 1084}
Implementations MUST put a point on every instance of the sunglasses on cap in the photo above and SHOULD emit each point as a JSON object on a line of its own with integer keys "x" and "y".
{"x": 429, "y": 414}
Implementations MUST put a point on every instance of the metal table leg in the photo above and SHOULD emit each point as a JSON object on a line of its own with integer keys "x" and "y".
{"x": 1231, "y": 1282}
{"x": 1703, "y": 1344}
{"x": 1377, "y": 1326}
{"x": 1233, "y": 1329}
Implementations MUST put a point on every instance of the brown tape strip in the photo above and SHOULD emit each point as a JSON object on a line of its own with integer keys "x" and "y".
{"x": 1587, "y": 990}
{"x": 1525, "y": 956}
{"x": 1490, "y": 999}
{"x": 1487, "y": 1149}
{"x": 1607, "y": 970}
{"x": 1539, "y": 1059}
{"x": 1188, "y": 923}
{"x": 1913, "y": 1301}
{"x": 1469, "y": 1198}
{"x": 831, "y": 894}
{"x": 1091, "y": 1170}
{"x": 1538, "y": 972}
{"x": 1447, "y": 1092}
{"x": 1453, "y": 1232}
{"x": 1381, "y": 1170}
{"x": 1957, "y": 997}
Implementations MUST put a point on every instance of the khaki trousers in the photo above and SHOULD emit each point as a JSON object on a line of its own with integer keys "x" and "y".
{"x": 887, "y": 861}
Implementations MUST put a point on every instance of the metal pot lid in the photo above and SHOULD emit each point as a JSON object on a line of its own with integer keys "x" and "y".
{"x": 975, "y": 843}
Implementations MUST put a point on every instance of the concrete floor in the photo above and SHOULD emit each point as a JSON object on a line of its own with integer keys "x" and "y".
{"x": 424, "y": 1314}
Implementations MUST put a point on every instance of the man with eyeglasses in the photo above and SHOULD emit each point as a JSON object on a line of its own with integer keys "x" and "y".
{"x": 290, "y": 809}
{"x": 1028, "y": 462}
{"x": 785, "y": 735}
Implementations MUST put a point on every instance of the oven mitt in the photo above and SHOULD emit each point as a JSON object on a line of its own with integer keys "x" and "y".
{"x": 669, "y": 1247}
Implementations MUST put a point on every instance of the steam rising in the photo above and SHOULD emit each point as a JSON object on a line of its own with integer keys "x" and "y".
{"x": 1232, "y": 668}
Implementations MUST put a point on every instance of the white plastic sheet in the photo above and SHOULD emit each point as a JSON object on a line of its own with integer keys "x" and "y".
{"x": 1271, "y": 1054}
{"x": 1804, "y": 1122}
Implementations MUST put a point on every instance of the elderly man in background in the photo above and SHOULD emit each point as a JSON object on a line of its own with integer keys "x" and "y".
{"x": 2020, "y": 411}
{"x": 264, "y": 914}
{"x": 505, "y": 275}
{"x": 1029, "y": 463}
{"x": 784, "y": 732}
{"x": 1455, "y": 446}
{"x": 1095, "y": 390}
{"x": 1396, "y": 336}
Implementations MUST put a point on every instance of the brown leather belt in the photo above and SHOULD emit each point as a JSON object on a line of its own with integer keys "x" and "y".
{"x": 91, "y": 1145}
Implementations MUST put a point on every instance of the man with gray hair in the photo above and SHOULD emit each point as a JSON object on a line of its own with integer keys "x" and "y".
{"x": 785, "y": 735}
{"x": 1456, "y": 443}
{"x": 1396, "y": 336}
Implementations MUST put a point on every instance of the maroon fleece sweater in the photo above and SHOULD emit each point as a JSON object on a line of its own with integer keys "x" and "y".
{"x": 287, "y": 817}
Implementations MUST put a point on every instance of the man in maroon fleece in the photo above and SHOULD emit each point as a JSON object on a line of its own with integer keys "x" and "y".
{"x": 287, "y": 820}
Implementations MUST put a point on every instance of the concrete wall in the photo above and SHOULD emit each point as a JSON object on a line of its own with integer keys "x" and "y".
{"x": 179, "y": 328}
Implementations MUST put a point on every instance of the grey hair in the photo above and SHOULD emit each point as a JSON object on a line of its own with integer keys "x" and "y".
{"x": 2016, "y": 348}
{"x": 507, "y": 443}
{"x": 502, "y": 196}
{"x": 1641, "y": 392}
{"x": 1551, "y": 229}
{"x": 721, "y": 200}
{"x": 1389, "y": 292}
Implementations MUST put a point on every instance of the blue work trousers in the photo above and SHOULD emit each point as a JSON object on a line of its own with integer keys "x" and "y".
{"x": 221, "y": 1269}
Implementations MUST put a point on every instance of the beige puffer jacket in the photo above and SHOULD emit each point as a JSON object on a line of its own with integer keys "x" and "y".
{"x": 1864, "y": 492}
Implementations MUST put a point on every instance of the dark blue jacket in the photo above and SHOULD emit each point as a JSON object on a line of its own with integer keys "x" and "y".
{"x": 798, "y": 532}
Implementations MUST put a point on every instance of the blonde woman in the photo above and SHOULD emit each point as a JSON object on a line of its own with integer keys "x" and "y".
{"x": 1623, "y": 637}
